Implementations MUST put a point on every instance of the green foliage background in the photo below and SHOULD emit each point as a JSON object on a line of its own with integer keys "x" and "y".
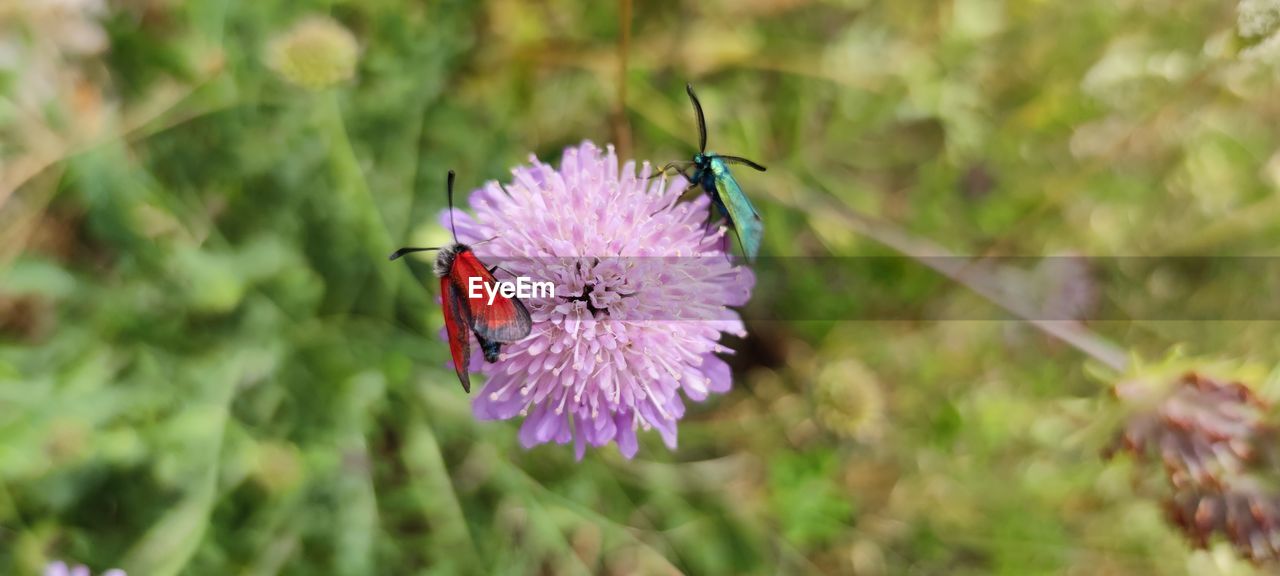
{"x": 207, "y": 366}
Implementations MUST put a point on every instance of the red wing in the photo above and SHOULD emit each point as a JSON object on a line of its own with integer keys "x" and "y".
{"x": 457, "y": 321}
{"x": 506, "y": 319}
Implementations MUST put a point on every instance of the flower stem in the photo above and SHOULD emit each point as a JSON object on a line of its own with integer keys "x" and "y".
{"x": 960, "y": 270}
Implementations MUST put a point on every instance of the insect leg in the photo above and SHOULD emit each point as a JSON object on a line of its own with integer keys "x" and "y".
{"x": 711, "y": 215}
{"x": 683, "y": 195}
{"x": 724, "y": 241}
{"x": 496, "y": 267}
{"x": 740, "y": 245}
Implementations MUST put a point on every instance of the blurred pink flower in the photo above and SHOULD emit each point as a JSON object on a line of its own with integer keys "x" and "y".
{"x": 642, "y": 298}
{"x": 60, "y": 568}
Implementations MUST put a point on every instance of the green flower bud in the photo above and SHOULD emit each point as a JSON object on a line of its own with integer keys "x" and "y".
{"x": 315, "y": 54}
{"x": 848, "y": 401}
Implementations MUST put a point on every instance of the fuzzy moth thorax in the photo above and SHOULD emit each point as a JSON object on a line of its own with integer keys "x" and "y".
{"x": 445, "y": 258}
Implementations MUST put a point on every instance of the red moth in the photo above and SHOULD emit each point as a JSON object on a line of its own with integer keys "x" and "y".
{"x": 493, "y": 318}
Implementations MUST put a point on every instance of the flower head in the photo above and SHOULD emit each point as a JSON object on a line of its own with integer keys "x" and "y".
{"x": 642, "y": 295}
{"x": 1256, "y": 18}
{"x": 848, "y": 401}
{"x": 1219, "y": 455}
{"x": 1202, "y": 428}
{"x": 316, "y": 53}
{"x": 1247, "y": 516}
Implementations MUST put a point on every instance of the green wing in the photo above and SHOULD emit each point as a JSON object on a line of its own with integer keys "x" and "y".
{"x": 746, "y": 221}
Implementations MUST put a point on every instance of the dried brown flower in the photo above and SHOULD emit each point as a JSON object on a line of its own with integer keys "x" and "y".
{"x": 1212, "y": 437}
{"x": 1201, "y": 428}
{"x": 1249, "y": 518}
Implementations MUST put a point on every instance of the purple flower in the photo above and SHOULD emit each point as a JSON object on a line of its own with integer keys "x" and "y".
{"x": 60, "y": 568}
{"x": 643, "y": 291}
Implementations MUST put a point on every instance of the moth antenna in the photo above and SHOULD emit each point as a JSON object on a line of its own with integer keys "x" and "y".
{"x": 407, "y": 250}
{"x": 741, "y": 246}
{"x": 741, "y": 160}
{"x": 702, "y": 121}
{"x": 452, "y": 228}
